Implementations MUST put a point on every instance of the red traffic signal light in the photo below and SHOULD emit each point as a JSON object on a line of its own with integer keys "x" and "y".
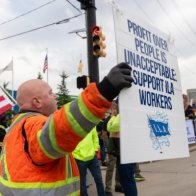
{"x": 98, "y": 42}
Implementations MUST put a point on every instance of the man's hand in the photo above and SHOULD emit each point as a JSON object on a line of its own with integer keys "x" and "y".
{"x": 118, "y": 78}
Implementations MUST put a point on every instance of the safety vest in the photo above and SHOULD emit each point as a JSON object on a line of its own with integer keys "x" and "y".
{"x": 113, "y": 126}
{"x": 36, "y": 158}
{"x": 2, "y": 127}
{"x": 87, "y": 148}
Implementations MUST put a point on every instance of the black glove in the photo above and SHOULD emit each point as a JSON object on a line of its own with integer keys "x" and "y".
{"x": 118, "y": 78}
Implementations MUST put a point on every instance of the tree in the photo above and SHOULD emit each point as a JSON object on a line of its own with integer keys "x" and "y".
{"x": 62, "y": 94}
{"x": 39, "y": 76}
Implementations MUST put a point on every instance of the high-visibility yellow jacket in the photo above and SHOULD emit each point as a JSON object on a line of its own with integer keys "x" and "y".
{"x": 36, "y": 158}
{"x": 113, "y": 126}
{"x": 87, "y": 148}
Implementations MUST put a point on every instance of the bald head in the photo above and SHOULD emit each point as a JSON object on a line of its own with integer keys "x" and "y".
{"x": 36, "y": 95}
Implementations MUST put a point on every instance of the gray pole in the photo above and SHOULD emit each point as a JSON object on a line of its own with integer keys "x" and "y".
{"x": 93, "y": 65}
{"x": 90, "y": 11}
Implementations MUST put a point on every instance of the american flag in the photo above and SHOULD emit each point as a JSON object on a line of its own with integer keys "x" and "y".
{"x": 5, "y": 103}
{"x": 45, "y": 64}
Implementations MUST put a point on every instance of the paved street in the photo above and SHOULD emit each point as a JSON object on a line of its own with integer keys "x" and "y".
{"x": 176, "y": 177}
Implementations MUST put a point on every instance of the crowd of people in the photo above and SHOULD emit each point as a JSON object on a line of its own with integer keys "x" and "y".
{"x": 47, "y": 151}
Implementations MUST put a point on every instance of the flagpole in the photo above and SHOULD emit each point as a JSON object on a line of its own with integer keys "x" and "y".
{"x": 47, "y": 60}
{"x": 7, "y": 93}
{"x": 12, "y": 77}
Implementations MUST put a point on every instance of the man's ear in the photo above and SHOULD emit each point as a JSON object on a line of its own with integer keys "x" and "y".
{"x": 37, "y": 102}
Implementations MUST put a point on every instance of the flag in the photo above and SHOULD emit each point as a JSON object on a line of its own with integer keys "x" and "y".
{"x": 8, "y": 67}
{"x": 5, "y": 103}
{"x": 80, "y": 67}
{"x": 45, "y": 64}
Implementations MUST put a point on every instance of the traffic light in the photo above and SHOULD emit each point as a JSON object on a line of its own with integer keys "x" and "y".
{"x": 98, "y": 42}
{"x": 82, "y": 81}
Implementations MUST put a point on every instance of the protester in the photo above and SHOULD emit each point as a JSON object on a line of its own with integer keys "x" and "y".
{"x": 126, "y": 171}
{"x": 111, "y": 159}
{"x": 36, "y": 158}
{"x": 85, "y": 155}
{"x": 188, "y": 110}
{"x": 193, "y": 104}
{"x": 102, "y": 137}
{"x": 137, "y": 173}
{"x": 3, "y": 126}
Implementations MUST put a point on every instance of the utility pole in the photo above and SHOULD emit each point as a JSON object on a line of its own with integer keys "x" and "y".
{"x": 90, "y": 12}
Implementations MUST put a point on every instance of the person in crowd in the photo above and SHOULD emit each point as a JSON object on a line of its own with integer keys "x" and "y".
{"x": 111, "y": 158}
{"x": 102, "y": 137}
{"x": 194, "y": 111}
{"x": 85, "y": 155}
{"x": 3, "y": 126}
{"x": 137, "y": 173}
{"x": 193, "y": 104}
{"x": 126, "y": 171}
{"x": 188, "y": 110}
{"x": 36, "y": 158}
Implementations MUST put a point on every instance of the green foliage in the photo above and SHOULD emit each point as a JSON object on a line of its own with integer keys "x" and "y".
{"x": 9, "y": 116}
{"x": 62, "y": 94}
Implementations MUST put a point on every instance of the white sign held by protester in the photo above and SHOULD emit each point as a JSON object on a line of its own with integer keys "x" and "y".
{"x": 190, "y": 131}
{"x": 152, "y": 114}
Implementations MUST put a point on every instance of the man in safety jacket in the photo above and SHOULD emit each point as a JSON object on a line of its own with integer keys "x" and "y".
{"x": 36, "y": 157}
{"x": 85, "y": 155}
{"x": 126, "y": 171}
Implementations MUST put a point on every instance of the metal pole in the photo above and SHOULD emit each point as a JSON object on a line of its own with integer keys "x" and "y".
{"x": 90, "y": 13}
{"x": 93, "y": 65}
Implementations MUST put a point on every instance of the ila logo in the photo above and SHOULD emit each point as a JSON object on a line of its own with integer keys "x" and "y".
{"x": 159, "y": 131}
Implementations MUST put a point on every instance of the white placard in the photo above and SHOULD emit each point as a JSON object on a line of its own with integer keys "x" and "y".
{"x": 190, "y": 131}
{"x": 152, "y": 114}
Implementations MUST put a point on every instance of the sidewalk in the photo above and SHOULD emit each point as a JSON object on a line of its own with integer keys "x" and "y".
{"x": 175, "y": 177}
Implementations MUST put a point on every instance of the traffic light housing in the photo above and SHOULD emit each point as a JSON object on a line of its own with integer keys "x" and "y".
{"x": 82, "y": 81}
{"x": 98, "y": 42}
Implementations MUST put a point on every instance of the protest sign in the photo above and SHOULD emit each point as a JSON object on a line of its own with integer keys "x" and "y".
{"x": 152, "y": 114}
{"x": 190, "y": 131}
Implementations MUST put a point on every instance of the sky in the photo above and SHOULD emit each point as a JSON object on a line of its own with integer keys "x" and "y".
{"x": 65, "y": 49}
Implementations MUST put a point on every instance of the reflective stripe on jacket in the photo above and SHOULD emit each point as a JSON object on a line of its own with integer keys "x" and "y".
{"x": 87, "y": 148}
{"x": 2, "y": 127}
{"x": 40, "y": 163}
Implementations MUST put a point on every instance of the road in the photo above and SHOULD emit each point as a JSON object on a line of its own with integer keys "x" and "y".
{"x": 175, "y": 177}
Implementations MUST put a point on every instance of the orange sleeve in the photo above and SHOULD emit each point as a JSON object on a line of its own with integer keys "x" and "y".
{"x": 98, "y": 108}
